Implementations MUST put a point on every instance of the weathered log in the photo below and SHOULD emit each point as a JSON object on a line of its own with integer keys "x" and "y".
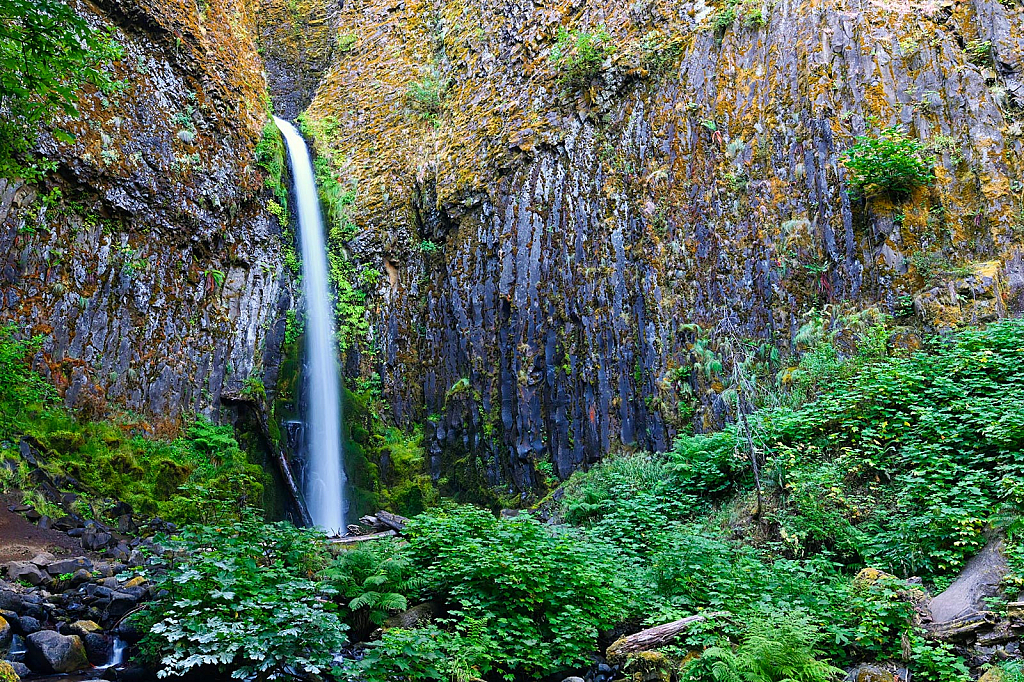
{"x": 392, "y": 521}
{"x": 652, "y": 638}
{"x": 962, "y": 628}
{"x": 353, "y": 539}
{"x": 285, "y": 468}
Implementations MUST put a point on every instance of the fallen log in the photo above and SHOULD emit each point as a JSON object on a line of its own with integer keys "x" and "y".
{"x": 392, "y": 521}
{"x": 962, "y": 628}
{"x": 652, "y": 638}
{"x": 353, "y": 539}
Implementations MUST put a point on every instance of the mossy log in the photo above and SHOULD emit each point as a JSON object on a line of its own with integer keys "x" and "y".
{"x": 392, "y": 521}
{"x": 353, "y": 539}
{"x": 655, "y": 637}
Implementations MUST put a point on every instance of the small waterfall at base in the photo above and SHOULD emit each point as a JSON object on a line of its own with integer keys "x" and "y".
{"x": 117, "y": 649}
{"x": 324, "y": 477}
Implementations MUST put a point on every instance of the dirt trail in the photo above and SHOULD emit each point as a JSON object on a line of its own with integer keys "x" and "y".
{"x": 20, "y": 539}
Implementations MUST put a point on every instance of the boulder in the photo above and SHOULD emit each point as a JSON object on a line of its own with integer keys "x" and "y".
{"x": 54, "y": 653}
{"x": 64, "y": 566}
{"x": 6, "y": 634}
{"x": 95, "y": 540}
{"x": 28, "y": 625}
{"x": 43, "y": 559}
{"x": 979, "y": 580}
{"x": 84, "y": 627}
{"x": 873, "y": 672}
{"x": 97, "y": 647}
{"x": 120, "y": 604}
{"x": 26, "y": 571}
{"x": 8, "y": 673}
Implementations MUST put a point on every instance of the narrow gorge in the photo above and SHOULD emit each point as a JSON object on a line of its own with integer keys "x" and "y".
{"x": 523, "y": 340}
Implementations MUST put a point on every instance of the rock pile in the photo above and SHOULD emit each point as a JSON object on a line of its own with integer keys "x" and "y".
{"x": 67, "y": 612}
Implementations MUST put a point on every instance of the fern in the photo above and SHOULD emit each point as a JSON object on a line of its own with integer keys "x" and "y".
{"x": 776, "y": 648}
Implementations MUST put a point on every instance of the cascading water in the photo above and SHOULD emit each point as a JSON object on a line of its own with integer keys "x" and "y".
{"x": 324, "y": 476}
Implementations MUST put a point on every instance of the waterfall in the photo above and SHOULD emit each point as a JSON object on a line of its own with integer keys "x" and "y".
{"x": 117, "y": 649}
{"x": 324, "y": 477}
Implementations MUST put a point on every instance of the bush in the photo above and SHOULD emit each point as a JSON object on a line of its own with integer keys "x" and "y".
{"x": 889, "y": 162}
{"x": 373, "y": 581}
{"x": 242, "y": 599}
{"x": 21, "y": 388}
{"x": 578, "y": 55}
{"x": 544, "y": 595}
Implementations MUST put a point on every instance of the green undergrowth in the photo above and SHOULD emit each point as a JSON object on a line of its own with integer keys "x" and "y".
{"x": 116, "y": 457}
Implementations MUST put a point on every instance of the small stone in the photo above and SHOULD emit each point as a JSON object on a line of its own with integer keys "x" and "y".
{"x": 134, "y": 582}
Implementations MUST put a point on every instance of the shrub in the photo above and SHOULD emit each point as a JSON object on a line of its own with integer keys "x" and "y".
{"x": 888, "y": 162}
{"x": 545, "y": 595}
{"x": 21, "y": 387}
{"x": 426, "y": 95}
{"x": 242, "y": 599}
{"x": 578, "y": 55}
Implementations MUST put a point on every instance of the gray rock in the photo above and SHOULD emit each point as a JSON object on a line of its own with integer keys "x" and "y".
{"x": 979, "y": 579}
{"x": 97, "y": 648}
{"x": 62, "y": 566}
{"x": 43, "y": 558}
{"x": 28, "y": 625}
{"x": 54, "y": 653}
{"x": 26, "y": 571}
{"x": 120, "y": 604}
{"x": 95, "y": 540}
{"x": 20, "y": 669}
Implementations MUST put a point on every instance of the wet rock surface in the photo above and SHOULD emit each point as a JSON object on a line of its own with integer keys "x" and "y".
{"x": 576, "y": 236}
{"x": 149, "y": 260}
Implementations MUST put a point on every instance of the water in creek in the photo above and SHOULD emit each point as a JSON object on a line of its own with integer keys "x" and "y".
{"x": 324, "y": 478}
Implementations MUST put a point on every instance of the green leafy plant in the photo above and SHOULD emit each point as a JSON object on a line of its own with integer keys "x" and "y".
{"x": 775, "y": 648}
{"x": 888, "y": 162}
{"x": 374, "y": 581}
{"x": 243, "y": 599}
{"x": 577, "y": 55}
{"x": 548, "y": 593}
{"x": 22, "y": 389}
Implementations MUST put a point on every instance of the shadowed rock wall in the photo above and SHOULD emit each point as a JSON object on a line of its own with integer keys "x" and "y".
{"x": 149, "y": 260}
{"x": 545, "y": 254}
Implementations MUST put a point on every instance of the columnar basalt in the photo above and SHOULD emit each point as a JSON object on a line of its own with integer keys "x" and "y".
{"x": 149, "y": 260}
{"x": 545, "y": 252}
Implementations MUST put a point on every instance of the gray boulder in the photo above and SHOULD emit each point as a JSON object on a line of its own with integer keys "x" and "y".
{"x": 26, "y": 571}
{"x": 53, "y": 653}
{"x": 65, "y": 566}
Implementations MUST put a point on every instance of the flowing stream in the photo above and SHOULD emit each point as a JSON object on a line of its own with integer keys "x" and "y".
{"x": 324, "y": 486}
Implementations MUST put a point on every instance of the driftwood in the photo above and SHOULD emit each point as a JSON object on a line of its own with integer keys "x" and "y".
{"x": 392, "y": 521}
{"x": 353, "y": 539}
{"x": 962, "y": 628}
{"x": 652, "y": 638}
{"x": 282, "y": 461}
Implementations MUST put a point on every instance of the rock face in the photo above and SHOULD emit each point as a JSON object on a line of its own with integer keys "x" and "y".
{"x": 50, "y": 652}
{"x": 149, "y": 260}
{"x": 546, "y": 257}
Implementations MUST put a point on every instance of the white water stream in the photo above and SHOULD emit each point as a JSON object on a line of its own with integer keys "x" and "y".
{"x": 324, "y": 476}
